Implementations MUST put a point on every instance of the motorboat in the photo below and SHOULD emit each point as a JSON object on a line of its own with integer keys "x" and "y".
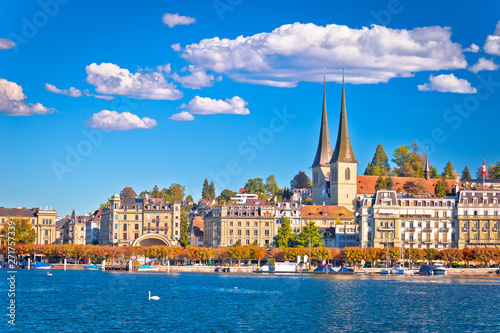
{"x": 345, "y": 270}
{"x": 426, "y": 270}
{"x": 92, "y": 267}
{"x": 398, "y": 269}
{"x": 147, "y": 268}
{"x": 42, "y": 265}
{"x": 439, "y": 269}
{"x": 385, "y": 271}
{"x": 323, "y": 270}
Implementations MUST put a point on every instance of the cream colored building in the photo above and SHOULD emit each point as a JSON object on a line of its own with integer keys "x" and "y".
{"x": 248, "y": 223}
{"x": 42, "y": 220}
{"x": 140, "y": 221}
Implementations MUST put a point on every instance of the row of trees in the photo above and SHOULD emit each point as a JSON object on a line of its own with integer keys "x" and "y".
{"x": 410, "y": 162}
{"x": 353, "y": 255}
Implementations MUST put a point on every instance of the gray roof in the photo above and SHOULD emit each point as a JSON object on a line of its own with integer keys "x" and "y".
{"x": 324, "y": 152}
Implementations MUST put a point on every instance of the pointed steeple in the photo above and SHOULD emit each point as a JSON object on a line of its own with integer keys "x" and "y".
{"x": 427, "y": 170}
{"x": 343, "y": 150}
{"x": 324, "y": 152}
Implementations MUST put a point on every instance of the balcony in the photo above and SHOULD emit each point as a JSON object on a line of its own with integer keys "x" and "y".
{"x": 385, "y": 229}
{"x": 428, "y": 229}
{"x": 485, "y": 229}
{"x": 428, "y": 241}
{"x": 484, "y": 241}
{"x": 465, "y": 229}
{"x": 445, "y": 229}
{"x": 445, "y": 241}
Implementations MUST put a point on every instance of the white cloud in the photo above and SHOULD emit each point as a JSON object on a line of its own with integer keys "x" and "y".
{"x": 492, "y": 45}
{"x": 175, "y": 19}
{"x": 6, "y": 44}
{"x": 71, "y": 92}
{"x": 13, "y": 104}
{"x": 484, "y": 64}
{"x": 447, "y": 83}
{"x": 298, "y": 52}
{"x": 105, "y": 97}
{"x": 472, "y": 48}
{"x": 196, "y": 80}
{"x": 110, "y": 79}
{"x": 206, "y": 106}
{"x": 116, "y": 121}
{"x": 182, "y": 116}
{"x": 176, "y": 47}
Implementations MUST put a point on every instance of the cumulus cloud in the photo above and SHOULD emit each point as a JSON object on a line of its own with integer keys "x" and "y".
{"x": 298, "y": 52}
{"x": 110, "y": 79}
{"x": 12, "y": 101}
{"x": 182, "y": 116}
{"x": 6, "y": 44}
{"x": 484, "y": 64}
{"x": 175, "y": 19}
{"x": 196, "y": 80}
{"x": 119, "y": 121}
{"x": 71, "y": 92}
{"x": 207, "y": 106}
{"x": 472, "y": 48}
{"x": 492, "y": 45}
{"x": 447, "y": 83}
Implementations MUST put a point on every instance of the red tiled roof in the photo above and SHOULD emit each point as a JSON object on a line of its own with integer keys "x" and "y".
{"x": 326, "y": 211}
{"x": 198, "y": 222}
{"x": 367, "y": 183}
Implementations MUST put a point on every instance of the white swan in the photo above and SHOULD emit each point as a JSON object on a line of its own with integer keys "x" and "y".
{"x": 154, "y": 298}
{"x": 49, "y": 274}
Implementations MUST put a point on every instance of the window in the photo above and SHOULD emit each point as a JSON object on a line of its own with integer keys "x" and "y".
{"x": 239, "y": 224}
{"x": 485, "y": 213}
{"x": 124, "y": 217}
{"x": 46, "y": 232}
{"x": 137, "y": 217}
{"x": 436, "y": 214}
{"x": 116, "y": 216}
{"x": 176, "y": 232}
{"x": 247, "y": 232}
{"x": 445, "y": 215}
{"x": 495, "y": 213}
{"x": 116, "y": 235}
{"x": 267, "y": 224}
{"x": 255, "y": 233}
{"x": 116, "y": 225}
{"x": 124, "y": 227}
{"x": 239, "y": 232}
{"x": 255, "y": 224}
{"x": 136, "y": 235}
{"x": 266, "y": 232}
{"x": 230, "y": 232}
{"x": 347, "y": 174}
{"x": 136, "y": 227}
{"x": 465, "y": 213}
{"x": 177, "y": 225}
{"x": 230, "y": 224}
{"x": 248, "y": 224}
{"x": 124, "y": 235}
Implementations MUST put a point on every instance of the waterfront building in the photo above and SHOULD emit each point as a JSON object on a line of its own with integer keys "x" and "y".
{"x": 196, "y": 231}
{"x": 93, "y": 228}
{"x": 73, "y": 230}
{"x": 291, "y": 210}
{"x": 478, "y": 218}
{"x": 42, "y": 220}
{"x": 140, "y": 221}
{"x": 248, "y": 223}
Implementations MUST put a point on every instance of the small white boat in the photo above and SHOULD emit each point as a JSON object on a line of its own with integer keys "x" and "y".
{"x": 439, "y": 269}
{"x": 398, "y": 270}
{"x": 385, "y": 271}
{"x": 41, "y": 265}
{"x": 92, "y": 268}
{"x": 147, "y": 268}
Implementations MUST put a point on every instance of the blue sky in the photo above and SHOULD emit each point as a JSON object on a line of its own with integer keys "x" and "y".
{"x": 151, "y": 71}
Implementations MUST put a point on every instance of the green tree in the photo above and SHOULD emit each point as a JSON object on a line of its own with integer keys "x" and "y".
{"x": 238, "y": 243}
{"x": 189, "y": 198}
{"x": 300, "y": 180}
{"x": 175, "y": 192}
{"x": 434, "y": 172}
{"x": 441, "y": 188}
{"x": 286, "y": 194}
{"x": 466, "y": 174}
{"x": 408, "y": 163}
{"x": 211, "y": 188}
{"x": 307, "y": 201}
{"x": 155, "y": 193}
{"x": 255, "y": 186}
{"x": 380, "y": 184}
{"x": 272, "y": 185}
{"x": 102, "y": 205}
{"x": 495, "y": 171}
{"x": 389, "y": 183}
{"x": 449, "y": 172}
{"x": 310, "y": 236}
{"x": 144, "y": 193}
{"x": 184, "y": 226}
{"x": 285, "y": 237}
{"x": 379, "y": 166}
{"x": 18, "y": 230}
{"x": 226, "y": 195}
{"x": 205, "y": 192}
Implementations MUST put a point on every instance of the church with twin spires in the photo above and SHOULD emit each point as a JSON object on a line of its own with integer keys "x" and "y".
{"x": 334, "y": 173}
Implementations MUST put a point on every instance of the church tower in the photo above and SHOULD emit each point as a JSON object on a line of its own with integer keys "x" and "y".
{"x": 321, "y": 164}
{"x": 343, "y": 164}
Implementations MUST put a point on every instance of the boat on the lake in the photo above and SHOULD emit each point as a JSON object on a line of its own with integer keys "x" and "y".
{"x": 345, "y": 270}
{"x": 385, "y": 271}
{"x": 147, "y": 268}
{"x": 439, "y": 269}
{"x": 426, "y": 270}
{"x": 42, "y": 265}
{"x": 398, "y": 269}
{"x": 92, "y": 267}
{"x": 323, "y": 270}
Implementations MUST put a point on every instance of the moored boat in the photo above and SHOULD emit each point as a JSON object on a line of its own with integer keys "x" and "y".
{"x": 147, "y": 268}
{"x": 42, "y": 265}
{"x": 92, "y": 267}
{"x": 439, "y": 269}
{"x": 398, "y": 270}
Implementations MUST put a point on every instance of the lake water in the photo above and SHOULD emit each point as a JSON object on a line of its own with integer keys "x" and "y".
{"x": 86, "y": 301}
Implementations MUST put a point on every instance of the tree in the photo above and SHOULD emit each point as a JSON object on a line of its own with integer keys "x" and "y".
{"x": 389, "y": 183}
{"x": 175, "y": 192}
{"x": 286, "y": 194}
{"x": 466, "y": 174}
{"x": 307, "y": 201}
{"x": 226, "y": 195}
{"x": 18, "y": 230}
{"x": 380, "y": 184}
{"x": 415, "y": 187}
{"x": 495, "y": 171}
{"x": 144, "y": 193}
{"x": 434, "y": 172}
{"x": 189, "y": 198}
{"x": 285, "y": 237}
{"x": 205, "y": 192}
{"x": 155, "y": 193}
{"x": 408, "y": 163}
{"x": 101, "y": 206}
{"x": 211, "y": 189}
{"x": 272, "y": 185}
{"x": 441, "y": 188}
{"x": 255, "y": 186}
{"x": 449, "y": 172}
{"x": 379, "y": 166}
{"x": 184, "y": 226}
{"x": 310, "y": 236}
{"x": 128, "y": 192}
{"x": 300, "y": 180}
{"x": 238, "y": 243}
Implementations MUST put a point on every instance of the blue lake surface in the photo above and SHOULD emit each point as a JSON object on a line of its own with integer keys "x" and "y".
{"x": 89, "y": 301}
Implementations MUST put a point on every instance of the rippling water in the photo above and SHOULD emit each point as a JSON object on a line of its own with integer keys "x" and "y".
{"x": 86, "y": 301}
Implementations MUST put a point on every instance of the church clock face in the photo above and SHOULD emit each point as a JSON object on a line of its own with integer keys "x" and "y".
{"x": 323, "y": 191}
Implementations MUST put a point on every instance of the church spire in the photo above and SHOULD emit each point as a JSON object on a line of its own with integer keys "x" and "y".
{"x": 343, "y": 150}
{"x": 427, "y": 170}
{"x": 324, "y": 152}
